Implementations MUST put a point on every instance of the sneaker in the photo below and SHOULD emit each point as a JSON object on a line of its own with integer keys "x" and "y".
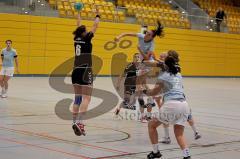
{"x": 166, "y": 140}
{"x": 78, "y": 129}
{"x": 117, "y": 111}
{"x": 4, "y": 95}
{"x": 153, "y": 155}
{"x": 189, "y": 157}
{"x": 197, "y": 136}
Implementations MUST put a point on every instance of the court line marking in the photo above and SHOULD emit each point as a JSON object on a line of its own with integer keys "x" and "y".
{"x": 45, "y": 148}
{"x": 59, "y": 139}
{"x": 107, "y": 141}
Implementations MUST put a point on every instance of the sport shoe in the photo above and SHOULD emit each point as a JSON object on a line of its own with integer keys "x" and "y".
{"x": 197, "y": 136}
{"x": 78, "y": 129}
{"x": 4, "y": 95}
{"x": 153, "y": 155}
{"x": 117, "y": 111}
{"x": 166, "y": 140}
{"x": 189, "y": 157}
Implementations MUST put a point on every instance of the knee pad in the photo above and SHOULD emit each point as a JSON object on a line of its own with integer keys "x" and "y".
{"x": 78, "y": 100}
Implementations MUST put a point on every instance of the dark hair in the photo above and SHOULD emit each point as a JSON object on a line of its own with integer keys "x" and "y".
{"x": 158, "y": 31}
{"x": 8, "y": 41}
{"x": 79, "y": 31}
{"x": 171, "y": 62}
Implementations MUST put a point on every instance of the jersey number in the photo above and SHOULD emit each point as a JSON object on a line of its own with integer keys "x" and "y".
{"x": 78, "y": 50}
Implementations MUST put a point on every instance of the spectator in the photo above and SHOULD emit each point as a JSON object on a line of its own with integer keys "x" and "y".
{"x": 219, "y": 18}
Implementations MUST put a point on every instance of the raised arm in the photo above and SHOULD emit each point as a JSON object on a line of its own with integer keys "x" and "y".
{"x": 78, "y": 19}
{"x": 125, "y": 34}
{"x": 96, "y": 22}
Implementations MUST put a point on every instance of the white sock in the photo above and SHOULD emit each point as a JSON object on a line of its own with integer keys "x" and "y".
{"x": 155, "y": 148}
{"x": 194, "y": 128}
{"x": 142, "y": 115}
{"x": 186, "y": 152}
{"x": 166, "y": 132}
{"x": 3, "y": 90}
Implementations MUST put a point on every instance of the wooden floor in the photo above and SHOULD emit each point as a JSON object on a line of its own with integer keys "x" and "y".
{"x": 30, "y": 128}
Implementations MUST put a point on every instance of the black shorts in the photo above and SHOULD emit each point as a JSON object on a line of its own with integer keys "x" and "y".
{"x": 129, "y": 89}
{"x": 82, "y": 76}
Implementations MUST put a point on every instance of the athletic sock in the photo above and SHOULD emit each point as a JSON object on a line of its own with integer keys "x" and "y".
{"x": 155, "y": 148}
{"x": 194, "y": 128}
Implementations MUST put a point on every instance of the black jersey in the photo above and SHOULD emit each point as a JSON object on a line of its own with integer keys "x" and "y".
{"x": 131, "y": 74}
{"x": 83, "y": 50}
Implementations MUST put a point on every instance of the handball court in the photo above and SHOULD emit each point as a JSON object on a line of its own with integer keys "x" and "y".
{"x": 29, "y": 127}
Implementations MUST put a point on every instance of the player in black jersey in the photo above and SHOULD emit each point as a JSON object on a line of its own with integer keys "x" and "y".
{"x": 130, "y": 74}
{"x": 82, "y": 72}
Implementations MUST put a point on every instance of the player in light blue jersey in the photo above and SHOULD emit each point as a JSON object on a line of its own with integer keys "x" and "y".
{"x": 174, "y": 110}
{"x": 146, "y": 49}
{"x": 9, "y": 55}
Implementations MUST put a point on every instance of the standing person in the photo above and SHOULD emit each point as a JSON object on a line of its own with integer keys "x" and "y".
{"x": 166, "y": 138}
{"x": 82, "y": 79}
{"x": 130, "y": 74}
{"x": 220, "y": 15}
{"x": 174, "y": 110}
{"x": 9, "y": 55}
{"x": 146, "y": 48}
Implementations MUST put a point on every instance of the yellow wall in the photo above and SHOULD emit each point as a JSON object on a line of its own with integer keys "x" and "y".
{"x": 44, "y": 42}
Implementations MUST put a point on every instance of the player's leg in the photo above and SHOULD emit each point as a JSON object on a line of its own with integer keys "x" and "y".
{"x": 193, "y": 126}
{"x": 166, "y": 139}
{"x": 2, "y": 83}
{"x": 76, "y": 106}
{"x": 5, "y": 86}
{"x": 153, "y": 135}
{"x": 179, "y": 134}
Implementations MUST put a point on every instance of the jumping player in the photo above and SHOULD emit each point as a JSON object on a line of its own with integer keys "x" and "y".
{"x": 8, "y": 56}
{"x": 146, "y": 48}
{"x": 82, "y": 79}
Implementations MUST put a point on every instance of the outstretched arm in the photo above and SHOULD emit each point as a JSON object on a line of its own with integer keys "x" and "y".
{"x": 96, "y": 22}
{"x": 78, "y": 19}
{"x": 123, "y": 35}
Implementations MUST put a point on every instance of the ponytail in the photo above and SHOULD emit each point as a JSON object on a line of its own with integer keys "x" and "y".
{"x": 158, "y": 31}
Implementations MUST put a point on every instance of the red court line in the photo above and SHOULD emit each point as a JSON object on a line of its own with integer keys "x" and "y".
{"x": 56, "y": 138}
{"x": 45, "y": 148}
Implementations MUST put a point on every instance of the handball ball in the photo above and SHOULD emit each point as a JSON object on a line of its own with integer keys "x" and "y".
{"x": 78, "y": 6}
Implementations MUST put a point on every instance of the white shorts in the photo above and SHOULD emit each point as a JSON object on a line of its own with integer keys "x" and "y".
{"x": 7, "y": 71}
{"x": 174, "y": 112}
